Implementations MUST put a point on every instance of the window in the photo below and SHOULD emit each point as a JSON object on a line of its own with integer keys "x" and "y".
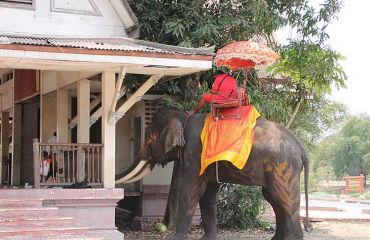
{"x": 17, "y": 3}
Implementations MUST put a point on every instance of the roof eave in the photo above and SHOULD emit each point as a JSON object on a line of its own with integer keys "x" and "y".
{"x": 75, "y": 59}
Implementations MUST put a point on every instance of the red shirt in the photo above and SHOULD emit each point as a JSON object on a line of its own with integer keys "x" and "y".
{"x": 224, "y": 87}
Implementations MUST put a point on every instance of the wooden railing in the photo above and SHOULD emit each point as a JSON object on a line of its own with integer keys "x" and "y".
{"x": 63, "y": 164}
{"x": 355, "y": 184}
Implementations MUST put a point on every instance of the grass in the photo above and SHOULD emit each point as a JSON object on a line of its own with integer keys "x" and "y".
{"x": 367, "y": 195}
{"x": 317, "y": 193}
{"x": 354, "y": 195}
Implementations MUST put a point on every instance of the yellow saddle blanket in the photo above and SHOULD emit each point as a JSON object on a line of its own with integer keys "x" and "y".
{"x": 228, "y": 139}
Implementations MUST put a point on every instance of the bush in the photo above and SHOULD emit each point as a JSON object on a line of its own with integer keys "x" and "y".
{"x": 239, "y": 206}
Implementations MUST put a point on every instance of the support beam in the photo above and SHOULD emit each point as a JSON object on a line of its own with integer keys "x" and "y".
{"x": 62, "y": 115}
{"x": 134, "y": 98}
{"x": 117, "y": 93}
{"x": 108, "y": 130}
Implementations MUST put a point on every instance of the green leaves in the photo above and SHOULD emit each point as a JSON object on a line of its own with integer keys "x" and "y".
{"x": 316, "y": 67}
{"x": 175, "y": 28}
{"x": 348, "y": 151}
{"x": 239, "y": 206}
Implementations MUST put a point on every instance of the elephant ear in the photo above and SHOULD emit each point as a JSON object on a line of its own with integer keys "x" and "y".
{"x": 173, "y": 134}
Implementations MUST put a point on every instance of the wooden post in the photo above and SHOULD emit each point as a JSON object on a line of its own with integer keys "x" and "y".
{"x": 5, "y": 129}
{"x": 137, "y": 95}
{"x": 36, "y": 162}
{"x": 83, "y": 124}
{"x": 346, "y": 190}
{"x": 362, "y": 184}
{"x": 108, "y": 130}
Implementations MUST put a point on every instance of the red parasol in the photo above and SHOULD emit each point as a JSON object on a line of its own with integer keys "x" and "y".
{"x": 245, "y": 54}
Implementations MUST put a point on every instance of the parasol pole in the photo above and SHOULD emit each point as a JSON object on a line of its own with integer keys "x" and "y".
{"x": 246, "y": 78}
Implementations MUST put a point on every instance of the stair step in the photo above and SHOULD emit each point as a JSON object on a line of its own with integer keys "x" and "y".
{"x": 37, "y": 222}
{"x": 10, "y": 233}
{"x": 14, "y": 203}
{"x": 60, "y": 237}
{"x": 12, "y": 213}
{"x": 75, "y": 238}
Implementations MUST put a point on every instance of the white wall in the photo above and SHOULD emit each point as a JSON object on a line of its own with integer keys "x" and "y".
{"x": 63, "y": 18}
{"x": 49, "y": 115}
{"x": 123, "y": 140}
{"x": 48, "y": 81}
{"x": 7, "y": 95}
{"x": 159, "y": 176}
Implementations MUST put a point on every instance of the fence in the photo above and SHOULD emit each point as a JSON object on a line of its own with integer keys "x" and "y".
{"x": 355, "y": 183}
{"x": 62, "y": 164}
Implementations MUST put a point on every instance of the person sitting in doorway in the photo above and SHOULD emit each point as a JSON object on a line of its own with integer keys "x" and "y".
{"x": 45, "y": 163}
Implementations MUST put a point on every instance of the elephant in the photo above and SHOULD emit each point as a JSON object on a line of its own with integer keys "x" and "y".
{"x": 275, "y": 162}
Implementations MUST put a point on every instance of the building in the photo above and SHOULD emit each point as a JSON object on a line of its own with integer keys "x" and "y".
{"x": 62, "y": 65}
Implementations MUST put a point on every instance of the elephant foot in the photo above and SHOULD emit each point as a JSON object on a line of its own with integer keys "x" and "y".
{"x": 307, "y": 226}
{"x": 179, "y": 237}
{"x": 288, "y": 237}
{"x": 208, "y": 237}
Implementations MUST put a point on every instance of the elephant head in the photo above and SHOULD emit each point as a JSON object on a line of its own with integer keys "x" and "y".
{"x": 163, "y": 136}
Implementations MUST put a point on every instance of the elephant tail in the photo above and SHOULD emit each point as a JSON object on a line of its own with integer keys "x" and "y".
{"x": 306, "y": 164}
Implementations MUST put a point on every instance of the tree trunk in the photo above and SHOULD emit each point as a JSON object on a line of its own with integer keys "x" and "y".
{"x": 296, "y": 109}
{"x": 170, "y": 215}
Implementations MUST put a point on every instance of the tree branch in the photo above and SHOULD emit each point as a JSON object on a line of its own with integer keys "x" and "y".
{"x": 296, "y": 109}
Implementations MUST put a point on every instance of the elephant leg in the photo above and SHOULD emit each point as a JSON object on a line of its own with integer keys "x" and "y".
{"x": 190, "y": 192}
{"x": 296, "y": 207}
{"x": 271, "y": 200}
{"x": 284, "y": 196}
{"x": 208, "y": 208}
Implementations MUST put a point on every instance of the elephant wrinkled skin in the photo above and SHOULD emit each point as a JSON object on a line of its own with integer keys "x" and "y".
{"x": 275, "y": 163}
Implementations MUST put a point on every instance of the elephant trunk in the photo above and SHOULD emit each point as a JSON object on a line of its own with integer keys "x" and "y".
{"x": 172, "y": 208}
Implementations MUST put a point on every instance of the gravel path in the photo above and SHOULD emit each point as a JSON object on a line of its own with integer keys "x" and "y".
{"x": 322, "y": 231}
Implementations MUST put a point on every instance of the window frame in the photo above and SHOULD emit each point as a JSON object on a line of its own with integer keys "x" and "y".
{"x": 19, "y": 5}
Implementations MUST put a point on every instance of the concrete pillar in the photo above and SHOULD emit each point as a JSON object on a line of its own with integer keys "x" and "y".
{"x": 108, "y": 130}
{"x": 5, "y": 129}
{"x": 83, "y": 111}
{"x": 17, "y": 144}
{"x": 83, "y": 123}
{"x": 62, "y": 115}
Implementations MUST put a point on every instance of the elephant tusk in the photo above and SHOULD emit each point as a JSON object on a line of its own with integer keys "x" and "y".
{"x": 134, "y": 172}
{"x": 145, "y": 171}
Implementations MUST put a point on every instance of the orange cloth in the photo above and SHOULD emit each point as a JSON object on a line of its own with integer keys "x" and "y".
{"x": 228, "y": 139}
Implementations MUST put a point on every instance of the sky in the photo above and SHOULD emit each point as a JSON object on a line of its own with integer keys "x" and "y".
{"x": 350, "y": 36}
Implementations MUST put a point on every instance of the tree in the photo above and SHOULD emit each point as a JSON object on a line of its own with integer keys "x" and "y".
{"x": 345, "y": 151}
{"x": 351, "y": 149}
{"x": 312, "y": 68}
{"x": 305, "y": 59}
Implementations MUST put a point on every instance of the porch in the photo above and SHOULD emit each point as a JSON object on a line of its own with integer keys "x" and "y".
{"x": 74, "y": 87}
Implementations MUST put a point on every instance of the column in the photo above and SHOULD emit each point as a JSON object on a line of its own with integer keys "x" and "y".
{"x": 5, "y": 128}
{"x": 83, "y": 123}
{"x": 108, "y": 130}
{"x": 17, "y": 144}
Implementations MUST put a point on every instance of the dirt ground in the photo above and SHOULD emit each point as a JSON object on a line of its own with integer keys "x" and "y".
{"x": 322, "y": 231}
